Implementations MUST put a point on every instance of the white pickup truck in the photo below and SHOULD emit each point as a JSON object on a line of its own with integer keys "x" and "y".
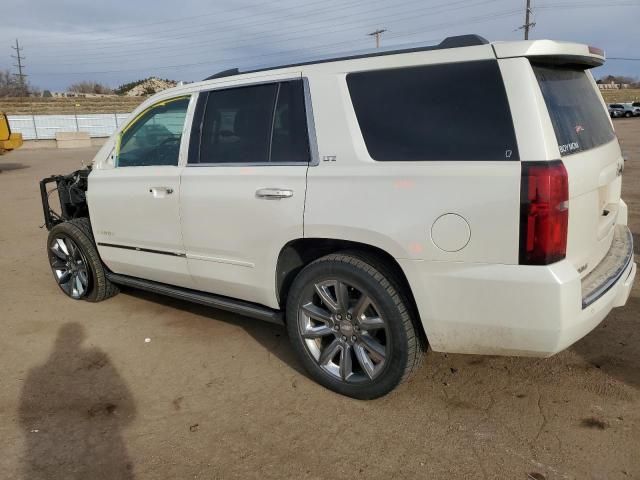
{"x": 464, "y": 196}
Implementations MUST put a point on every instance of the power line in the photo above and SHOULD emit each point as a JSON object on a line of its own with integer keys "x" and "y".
{"x": 226, "y": 24}
{"x": 250, "y": 42}
{"x": 623, "y": 3}
{"x": 308, "y": 17}
{"x": 237, "y": 60}
{"x": 125, "y": 53}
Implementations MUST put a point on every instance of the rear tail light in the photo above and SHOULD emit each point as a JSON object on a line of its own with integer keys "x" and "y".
{"x": 544, "y": 212}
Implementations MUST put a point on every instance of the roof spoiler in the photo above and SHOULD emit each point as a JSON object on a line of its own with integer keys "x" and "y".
{"x": 551, "y": 52}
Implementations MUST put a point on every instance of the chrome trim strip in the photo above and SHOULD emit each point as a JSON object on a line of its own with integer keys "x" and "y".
{"x": 140, "y": 249}
{"x": 228, "y": 261}
{"x": 249, "y": 164}
{"x": 615, "y": 275}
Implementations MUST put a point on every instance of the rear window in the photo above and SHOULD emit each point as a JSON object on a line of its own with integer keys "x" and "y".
{"x": 575, "y": 109}
{"x": 455, "y": 111}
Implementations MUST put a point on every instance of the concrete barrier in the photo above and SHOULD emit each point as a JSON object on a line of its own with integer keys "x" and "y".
{"x": 40, "y": 144}
{"x": 73, "y": 139}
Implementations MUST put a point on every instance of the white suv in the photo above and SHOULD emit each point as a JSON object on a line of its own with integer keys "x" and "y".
{"x": 464, "y": 196}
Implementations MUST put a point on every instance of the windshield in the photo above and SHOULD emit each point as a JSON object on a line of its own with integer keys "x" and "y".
{"x": 575, "y": 109}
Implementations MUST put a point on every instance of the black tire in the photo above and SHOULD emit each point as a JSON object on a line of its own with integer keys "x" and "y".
{"x": 404, "y": 348}
{"x": 79, "y": 231}
{"x": 628, "y": 114}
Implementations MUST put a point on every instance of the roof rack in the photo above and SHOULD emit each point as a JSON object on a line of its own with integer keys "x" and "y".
{"x": 458, "y": 41}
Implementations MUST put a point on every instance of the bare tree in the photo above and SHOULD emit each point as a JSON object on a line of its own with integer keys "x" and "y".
{"x": 622, "y": 79}
{"x": 90, "y": 87}
{"x": 10, "y": 86}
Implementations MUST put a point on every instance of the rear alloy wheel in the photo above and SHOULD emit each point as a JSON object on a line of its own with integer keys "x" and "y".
{"x": 350, "y": 325}
{"x": 343, "y": 331}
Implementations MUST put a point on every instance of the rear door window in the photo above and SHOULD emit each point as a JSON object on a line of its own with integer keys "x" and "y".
{"x": 237, "y": 125}
{"x": 258, "y": 124}
{"x": 575, "y": 108}
{"x": 455, "y": 111}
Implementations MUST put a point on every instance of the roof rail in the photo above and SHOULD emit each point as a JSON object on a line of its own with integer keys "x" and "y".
{"x": 462, "y": 41}
{"x": 225, "y": 73}
{"x": 458, "y": 41}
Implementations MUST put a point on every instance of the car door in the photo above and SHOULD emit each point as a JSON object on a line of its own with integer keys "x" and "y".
{"x": 134, "y": 207}
{"x": 243, "y": 189}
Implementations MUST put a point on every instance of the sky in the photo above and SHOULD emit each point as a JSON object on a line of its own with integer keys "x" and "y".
{"x": 115, "y": 42}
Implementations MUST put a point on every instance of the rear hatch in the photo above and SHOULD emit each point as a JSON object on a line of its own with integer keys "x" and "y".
{"x": 591, "y": 155}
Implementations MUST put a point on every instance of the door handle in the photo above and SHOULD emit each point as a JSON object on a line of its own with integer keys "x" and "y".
{"x": 158, "y": 192}
{"x": 274, "y": 193}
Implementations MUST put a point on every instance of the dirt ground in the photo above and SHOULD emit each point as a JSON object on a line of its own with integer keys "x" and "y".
{"x": 215, "y": 395}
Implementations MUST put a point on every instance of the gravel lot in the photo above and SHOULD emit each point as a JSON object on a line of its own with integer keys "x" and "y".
{"x": 215, "y": 395}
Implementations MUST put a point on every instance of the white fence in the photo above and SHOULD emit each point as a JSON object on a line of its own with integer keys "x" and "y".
{"x": 41, "y": 127}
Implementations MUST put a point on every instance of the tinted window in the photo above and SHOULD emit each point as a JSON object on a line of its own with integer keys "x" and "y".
{"x": 456, "y": 111}
{"x": 575, "y": 109}
{"x": 290, "y": 136}
{"x": 255, "y": 124}
{"x": 154, "y": 137}
{"x": 237, "y": 125}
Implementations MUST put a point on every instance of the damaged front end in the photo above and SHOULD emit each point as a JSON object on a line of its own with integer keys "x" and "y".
{"x": 72, "y": 198}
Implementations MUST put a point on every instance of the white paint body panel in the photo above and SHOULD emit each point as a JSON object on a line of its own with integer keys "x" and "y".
{"x": 124, "y": 211}
{"x": 507, "y": 309}
{"x": 232, "y": 238}
{"x": 473, "y": 299}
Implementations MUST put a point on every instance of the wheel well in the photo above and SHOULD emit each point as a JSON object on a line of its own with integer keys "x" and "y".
{"x": 296, "y": 254}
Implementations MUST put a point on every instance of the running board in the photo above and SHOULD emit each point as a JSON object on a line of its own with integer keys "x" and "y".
{"x": 208, "y": 299}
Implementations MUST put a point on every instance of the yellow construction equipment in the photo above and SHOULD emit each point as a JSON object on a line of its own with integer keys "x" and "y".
{"x": 8, "y": 140}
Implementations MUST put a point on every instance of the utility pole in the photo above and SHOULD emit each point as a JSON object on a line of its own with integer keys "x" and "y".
{"x": 528, "y": 24}
{"x": 20, "y": 66}
{"x": 377, "y": 34}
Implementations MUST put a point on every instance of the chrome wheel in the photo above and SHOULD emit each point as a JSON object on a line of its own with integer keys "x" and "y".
{"x": 69, "y": 266}
{"x": 343, "y": 331}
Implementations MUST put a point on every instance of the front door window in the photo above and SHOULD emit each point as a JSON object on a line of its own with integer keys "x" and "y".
{"x": 154, "y": 137}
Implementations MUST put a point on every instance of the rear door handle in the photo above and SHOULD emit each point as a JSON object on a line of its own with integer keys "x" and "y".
{"x": 159, "y": 192}
{"x": 274, "y": 193}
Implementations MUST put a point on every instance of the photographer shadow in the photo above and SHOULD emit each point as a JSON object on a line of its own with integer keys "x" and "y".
{"x": 73, "y": 409}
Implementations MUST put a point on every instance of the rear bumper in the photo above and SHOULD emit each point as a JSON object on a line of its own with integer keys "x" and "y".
{"x": 611, "y": 269}
{"x": 515, "y": 309}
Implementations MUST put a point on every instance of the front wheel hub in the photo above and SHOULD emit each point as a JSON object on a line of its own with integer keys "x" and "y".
{"x": 69, "y": 266}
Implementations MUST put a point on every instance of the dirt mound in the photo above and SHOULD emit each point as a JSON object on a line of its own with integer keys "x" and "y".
{"x": 149, "y": 87}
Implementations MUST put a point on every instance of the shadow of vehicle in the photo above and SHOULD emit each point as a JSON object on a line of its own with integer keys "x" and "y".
{"x": 73, "y": 409}
{"x": 5, "y": 167}
{"x": 613, "y": 347}
{"x": 271, "y": 336}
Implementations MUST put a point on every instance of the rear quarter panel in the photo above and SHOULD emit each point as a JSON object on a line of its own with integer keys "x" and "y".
{"x": 393, "y": 205}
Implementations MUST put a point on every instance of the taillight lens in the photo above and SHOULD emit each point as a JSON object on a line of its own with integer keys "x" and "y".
{"x": 544, "y": 212}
